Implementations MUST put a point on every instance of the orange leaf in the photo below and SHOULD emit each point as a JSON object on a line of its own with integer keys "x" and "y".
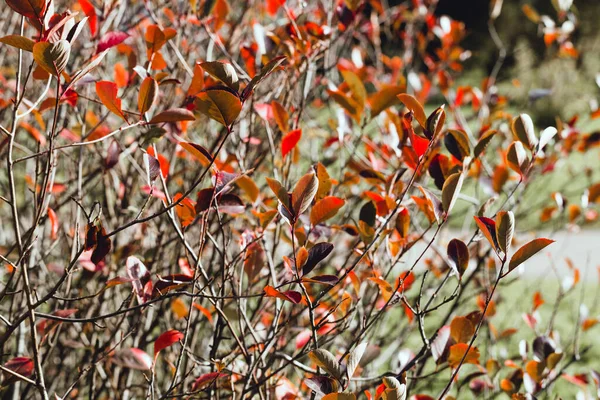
{"x": 457, "y": 352}
{"x": 281, "y": 115}
{"x": 204, "y": 311}
{"x": 198, "y": 151}
{"x": 415, "y": 107}
{"x": 325, "y": 209}
{"x": 53, "y": 223}
{"x": 290, "y": 295}
{"x": 107, "y": 92}
{"x": 461, "y": 329}
{"x": 186, "y": 210}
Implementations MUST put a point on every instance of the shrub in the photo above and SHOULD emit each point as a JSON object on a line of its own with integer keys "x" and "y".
{"x": 239, "y": 199}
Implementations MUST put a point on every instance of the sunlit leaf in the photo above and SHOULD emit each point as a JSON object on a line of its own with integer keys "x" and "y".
{"x": 527, "y": 251}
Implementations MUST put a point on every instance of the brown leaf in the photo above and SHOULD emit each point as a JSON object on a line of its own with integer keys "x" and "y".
{"x": 527, "y": 251}
{"x": 148, "y": 94}
{"x": 219, "y": 103}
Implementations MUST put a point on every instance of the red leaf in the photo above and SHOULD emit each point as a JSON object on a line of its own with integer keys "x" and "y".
{"x": 206, "y": 380}
{"x": 289, "y": 141}
{"x": 111, "y": 39}
{"x": 273, "y": 6}
{"x": 166, "y": 339}
{"x": 21, "y": 365}
{"x": 90, "y": 12}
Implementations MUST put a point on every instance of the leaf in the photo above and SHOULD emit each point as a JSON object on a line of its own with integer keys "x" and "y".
{"x": 383, "y": 98}
{"x": 304, "y": 193}
{"x": 138, "y": 275}
{"x": 316, "y": 254}
{"x": 33, "y": 9}
{"x": 21, "y": 365}
{"x": 545, "y": 137}
{"x": 354, "y": 359}
{"x": 168, "y": 283}
{"x": 197, "y": 83}
{"x": 179, "y": 308}
{"x": 76, "y": 30}
{"x": 487, "y": 226}
{"x": 394, "y": 389}
{"x": 219, "y": 103}
{"x": 279, "y": 191}
{"x": 202, "y": 154}
{"x": 52, "y": 57}
{"x": 527, "y": 251}
{"x": 457, "y": 353}
{"x": 147, "y": 95}
{"x": 516, "y": 158}
{"x": 435, "y": 123}
{"x": 186, "y": 210}
{"x": 53, "y": 218}
{"x": 434, "y": 202}
{"x": 173, "y": 115}
{"x": 458, "y": 254}
{"x": 450, "y": 191}
{"x": 18, "y": 41}
{"x": 289, "y": 141}
{"x": 330, "y": 280}
{"x": 290, "y": 295}
{"x": 206, "y": 380}
{"x": 132, "y": 358}
{"x": 339, "y": 396}
{"x": 415, "y": 107}
{"x": 403, "y": 222}
{"x": 152, "y": 168}
{"x": 223, "y": 72}
{"x": 281, "y": 116}
{"x": 325, "y": 209}
{"x": 357, "y": 88}
{"x": 439, "y": 346}
{"x": 320, "y": 384}
{"x": 505, "y": 227}
{"x": 461, "y": 329}
{"x": 457, "y": 143}
{"x": 327, "y": 361}
{"x": 89, "y": 10}
{"x": 107, "y": 93}
{"x": 167, "y": 339}
{"x": 484, "y": 140}
{"x": 111, "y": 39}
{"x": 522, "y": 128}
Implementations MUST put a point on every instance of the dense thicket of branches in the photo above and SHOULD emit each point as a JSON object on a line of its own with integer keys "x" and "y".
{"x": 248, "y": 199}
